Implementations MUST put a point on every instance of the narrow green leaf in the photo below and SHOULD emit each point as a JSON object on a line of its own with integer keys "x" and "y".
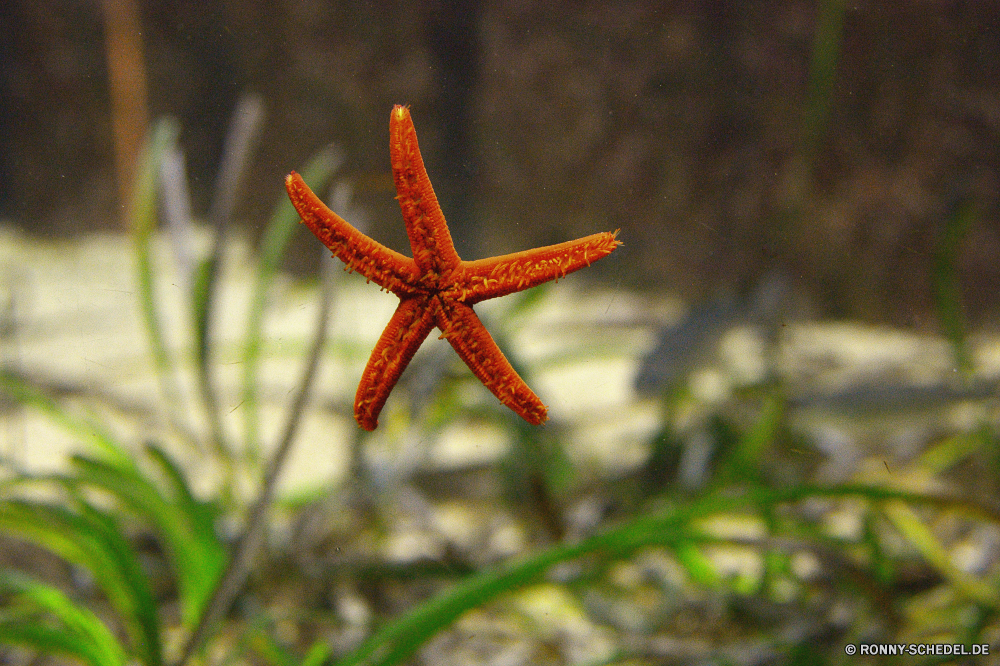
{"x": 284, "y": 221}
{"x": 142, "y": 218}
{"x": 822, "y": 72}
{"x": 88, "y": 430}
{"x": 187, "y": 528}
{"x": 201, "y": 515}
{"x": 948, "y": 288}
{"x": 698, "y": 566}
{"x": 745, "y": 459}
{"x": 196, "y": 554}
{"x": 139, "y": 609}
{"x": 83, "y": 634}
{"x": 923, "y": 539}
{"x": 92, "y": 541}
{"x": 399, "y": 639}
{"x": 34, "y": 635}
{"x": 318, "y": 654}
{"x": 202, "y": 288}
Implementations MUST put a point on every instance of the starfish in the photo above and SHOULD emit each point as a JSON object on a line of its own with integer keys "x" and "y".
{"x": 436, "y": 288}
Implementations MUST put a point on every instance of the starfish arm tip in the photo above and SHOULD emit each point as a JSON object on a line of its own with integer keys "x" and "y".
{"x": 403, "y": 335}
{"x": 365, "y": 421}
{"x": 539, "y": 417}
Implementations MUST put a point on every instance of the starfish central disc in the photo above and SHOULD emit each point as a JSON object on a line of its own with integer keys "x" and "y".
{"x": 436, "y": 288}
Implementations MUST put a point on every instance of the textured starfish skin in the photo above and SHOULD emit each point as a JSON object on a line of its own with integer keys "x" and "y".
{"x": 436, "y": 288}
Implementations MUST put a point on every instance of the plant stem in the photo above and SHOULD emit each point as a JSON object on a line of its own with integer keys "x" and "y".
{"x": 249, "y": 543}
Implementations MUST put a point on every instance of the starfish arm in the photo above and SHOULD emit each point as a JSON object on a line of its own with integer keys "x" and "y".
{"x": 475, "y": 281}
{"x": 386, "y": 268}
{"x": 430, "y": 240}
{"x": 474, "y": 344}
{"x": 403, "y": 335}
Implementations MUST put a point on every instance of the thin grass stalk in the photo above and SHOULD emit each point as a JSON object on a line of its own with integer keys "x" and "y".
{"x": 142, "y": 218}
{"x": 823, "y": 62}
{"x": 241, "y": 140}
{"x": 176, "y": 208}
{"x": 822, "y": 73}
{"x": 240, "y": 564}
{"x": 948, "y": 286}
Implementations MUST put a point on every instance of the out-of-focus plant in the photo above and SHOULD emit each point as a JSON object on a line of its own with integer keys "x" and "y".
{"x": 93, "y": 511}
{"x": 95, "y": 537}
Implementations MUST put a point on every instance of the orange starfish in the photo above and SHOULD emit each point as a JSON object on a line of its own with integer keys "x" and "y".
{"x": 435, "y": 287}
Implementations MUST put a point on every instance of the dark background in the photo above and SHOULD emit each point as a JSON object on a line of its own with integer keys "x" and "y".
{"x": 725, "y": 139}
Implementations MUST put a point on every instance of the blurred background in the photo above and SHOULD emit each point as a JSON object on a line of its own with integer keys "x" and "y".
{"x": 829, "y": 140}
{"x": 774, "y": 410}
